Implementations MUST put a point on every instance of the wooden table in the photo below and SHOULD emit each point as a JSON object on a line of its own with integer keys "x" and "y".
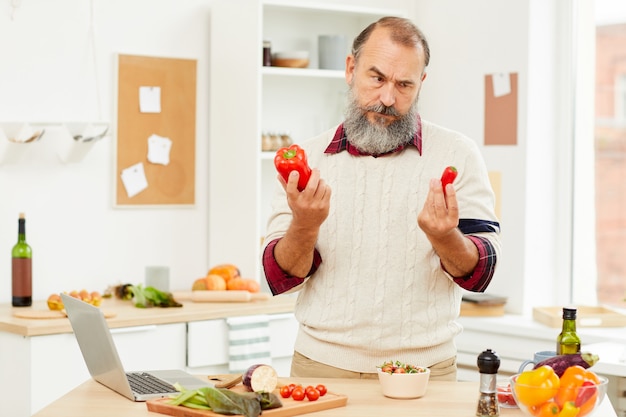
{"x": 454, "y": 399}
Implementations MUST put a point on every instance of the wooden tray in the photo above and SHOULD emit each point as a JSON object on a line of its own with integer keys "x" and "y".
{"x": 469, "y": 309}
{"x": 585, "y": 317}
{"x": 290, "y": 407}
{"x": 226, "y": 296}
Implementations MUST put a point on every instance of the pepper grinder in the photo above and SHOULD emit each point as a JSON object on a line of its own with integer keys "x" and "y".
{"x": 488, "y": 364}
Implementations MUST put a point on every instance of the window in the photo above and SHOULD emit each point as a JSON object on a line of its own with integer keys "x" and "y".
{"x": 610, "y": 152}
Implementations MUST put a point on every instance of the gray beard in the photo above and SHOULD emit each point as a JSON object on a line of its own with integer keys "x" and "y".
{"x": 374, "y": 138}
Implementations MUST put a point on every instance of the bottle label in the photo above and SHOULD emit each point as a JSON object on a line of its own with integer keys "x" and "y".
{"x": 22, "y": 277}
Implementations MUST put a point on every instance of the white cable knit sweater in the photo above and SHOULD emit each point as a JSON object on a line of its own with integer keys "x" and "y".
{"x": 380, "y": 292}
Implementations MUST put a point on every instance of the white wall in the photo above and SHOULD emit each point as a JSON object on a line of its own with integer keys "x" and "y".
{"x": 529, "y": 37}
{"x": 48, "y": 74}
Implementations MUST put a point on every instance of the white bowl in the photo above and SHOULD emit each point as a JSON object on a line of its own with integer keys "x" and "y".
{"x": 404, "y": 385}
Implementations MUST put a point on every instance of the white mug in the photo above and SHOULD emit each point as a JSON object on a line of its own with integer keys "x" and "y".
{"x": 332, "y": 52}
{"x": 537, "y": 357}
{"x": 158, "y": 277}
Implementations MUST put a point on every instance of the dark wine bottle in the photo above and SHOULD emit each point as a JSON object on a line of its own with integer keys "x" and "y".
{"x": 21, "y": 268}
{"x": 568, "y": 341}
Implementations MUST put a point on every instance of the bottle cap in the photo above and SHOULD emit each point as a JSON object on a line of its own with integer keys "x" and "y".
{"x": 488, "y": 362}
{"x": 569, "y": 313}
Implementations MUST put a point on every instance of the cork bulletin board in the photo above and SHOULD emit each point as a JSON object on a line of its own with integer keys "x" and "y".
{"x": 156, "y": 111}
{"x": 501, "y": 111}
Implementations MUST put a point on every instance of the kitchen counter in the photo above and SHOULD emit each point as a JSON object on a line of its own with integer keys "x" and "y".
{"x": 364, "y": 399}
{"x": 126, "y": 315}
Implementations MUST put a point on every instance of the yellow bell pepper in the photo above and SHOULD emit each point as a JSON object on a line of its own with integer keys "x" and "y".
{"x": 569, "y": 410}
{"x": 537, "y": 386}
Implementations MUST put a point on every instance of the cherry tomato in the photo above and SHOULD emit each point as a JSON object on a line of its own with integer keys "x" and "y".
{"x": 309, "y": 387}
{"x": 399, "y": 371}
{"x": 505, "y": 396}
{"x": 298, "y": 394}
{"x": 285, "y": 392}
{"x": 322, "y": 389}
{"x": 448, "y": 176}
{"x": 291, "y": 387}
{"x": 312, "y": 394}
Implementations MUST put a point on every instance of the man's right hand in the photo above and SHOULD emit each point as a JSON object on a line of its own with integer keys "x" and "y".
{"x": 310, "y": 207}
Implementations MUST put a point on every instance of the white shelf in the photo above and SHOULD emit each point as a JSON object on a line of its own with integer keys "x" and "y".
{"x": 301, "y": 101}
{"x": 302, "y": 72}
{"x": 336, "y": 8}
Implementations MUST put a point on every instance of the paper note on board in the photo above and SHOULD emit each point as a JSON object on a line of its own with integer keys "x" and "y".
{"x": 159, "y": 149}
{"x": 501, "y": 84}
{"x": 134, "y": 179}
{"x": 150, "y": 99}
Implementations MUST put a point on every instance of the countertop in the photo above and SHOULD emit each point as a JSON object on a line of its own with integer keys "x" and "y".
{"x": 364, "y": 399}
{"x": 127, "y": 315}
{"x": 609, "y": 343}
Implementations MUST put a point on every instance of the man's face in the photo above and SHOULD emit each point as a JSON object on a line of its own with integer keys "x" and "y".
{"x": 386, "y": 73}
{"x": 384, "y": 88}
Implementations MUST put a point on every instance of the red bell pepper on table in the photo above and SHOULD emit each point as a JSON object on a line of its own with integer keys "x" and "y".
{"x": 293, "y": 158}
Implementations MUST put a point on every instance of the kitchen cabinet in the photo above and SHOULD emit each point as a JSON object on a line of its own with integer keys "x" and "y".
{"x": 207, "y": 343}
{"x": 40, "y": 359}
{"x": 247, "y": 99}
{"x": 52, "y": 365}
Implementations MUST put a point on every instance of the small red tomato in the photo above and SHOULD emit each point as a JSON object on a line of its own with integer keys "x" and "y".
{"x": 291, "y": 387}
{"x": 399, "y": 370}
{"x": 285, "y": 392}
{"x": 308, "y": 388}
{"x": 298, "y": 394}
{"x": 322, "y": 389}
{"x": 312, "y": 394}
{"x": 448, "y": 176}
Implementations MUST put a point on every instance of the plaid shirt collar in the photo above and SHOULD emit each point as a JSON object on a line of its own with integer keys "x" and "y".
{"x": 340, "y": 142}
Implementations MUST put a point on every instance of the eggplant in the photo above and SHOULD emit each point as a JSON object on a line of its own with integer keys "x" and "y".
{"x": 561, "y": 362}
{"x": 260, "y": 378}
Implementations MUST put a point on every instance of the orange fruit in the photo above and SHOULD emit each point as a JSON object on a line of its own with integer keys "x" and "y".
{"x": 55, "y": 302}
{"x": 199, "y": 284}
{"x": 243, "y": 284}
{"x": 226, "y": 271}
{"x": 215, "y": 283}
{"x": 252, "y": 285}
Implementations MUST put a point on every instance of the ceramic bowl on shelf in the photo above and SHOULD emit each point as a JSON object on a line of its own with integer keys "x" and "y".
{"x": 291, "y": 59}
{"x": 404, "y": 385}
{"x": 531, "y": 398}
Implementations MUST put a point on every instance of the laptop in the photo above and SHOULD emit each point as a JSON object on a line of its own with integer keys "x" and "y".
{"x": 102, "y": 360}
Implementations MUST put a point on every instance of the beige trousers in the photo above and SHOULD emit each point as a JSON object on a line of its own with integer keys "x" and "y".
{"x": 301, "y": 366}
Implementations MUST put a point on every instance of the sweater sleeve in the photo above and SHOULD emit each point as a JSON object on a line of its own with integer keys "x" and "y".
{"x": 277, "y": 279}
{"x": 481, "y": 277}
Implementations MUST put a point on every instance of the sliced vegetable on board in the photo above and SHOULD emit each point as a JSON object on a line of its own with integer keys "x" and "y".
{"x": 260, "y": 378}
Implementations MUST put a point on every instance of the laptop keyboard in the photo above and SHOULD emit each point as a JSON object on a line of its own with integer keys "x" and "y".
{"x": 144, "y": 383}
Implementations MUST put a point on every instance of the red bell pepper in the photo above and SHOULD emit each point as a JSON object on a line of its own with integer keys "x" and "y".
{"x": 448, "y": 176}
{"x": 290, "y": 159}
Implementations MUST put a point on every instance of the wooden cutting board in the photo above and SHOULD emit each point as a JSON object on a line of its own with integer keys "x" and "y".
{"x": 290, "y": 407}
{"x": 219, "y": 296}
{"x": 50, "y": 314}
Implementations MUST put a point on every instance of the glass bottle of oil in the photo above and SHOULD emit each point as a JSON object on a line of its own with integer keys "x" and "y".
{"x": 568, "y": 341}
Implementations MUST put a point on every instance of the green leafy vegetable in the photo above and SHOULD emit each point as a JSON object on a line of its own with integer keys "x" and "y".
{"x": 151, "y": 297}
{"x": 225, "y": 401}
